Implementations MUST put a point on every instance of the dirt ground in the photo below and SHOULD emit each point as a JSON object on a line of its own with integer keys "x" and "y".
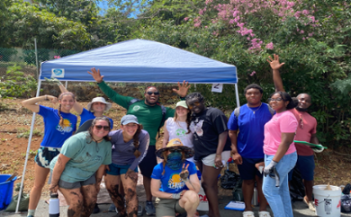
{"x": 332, "y": 166}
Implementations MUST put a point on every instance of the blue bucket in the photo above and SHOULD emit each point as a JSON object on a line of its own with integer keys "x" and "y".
{"x": 6, "y": 190}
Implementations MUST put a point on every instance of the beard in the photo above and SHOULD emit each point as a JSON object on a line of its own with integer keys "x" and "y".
{"x": 149, "y": 103}
{"x": 301, "y": 109}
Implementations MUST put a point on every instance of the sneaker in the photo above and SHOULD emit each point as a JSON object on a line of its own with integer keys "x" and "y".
{"x": 149, "y": 208}
{"x": 140, "y": 210}
{"x": 96, "y": 209}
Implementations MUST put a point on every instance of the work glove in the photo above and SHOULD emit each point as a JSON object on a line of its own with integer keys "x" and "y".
{"x": 272, "y": 172}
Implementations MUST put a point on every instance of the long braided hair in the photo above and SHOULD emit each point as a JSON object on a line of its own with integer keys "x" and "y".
{"x": 61, "y": 122}
{"x": 165, "y": 154}
{"x": 136, "y": 141}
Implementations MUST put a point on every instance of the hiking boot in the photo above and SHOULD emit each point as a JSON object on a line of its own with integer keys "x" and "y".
{"x": 149, "y": 208}
{"x": 96, "y": 209}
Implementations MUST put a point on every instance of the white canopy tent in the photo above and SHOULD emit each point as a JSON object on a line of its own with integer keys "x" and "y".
{"x": 136, "y": 61}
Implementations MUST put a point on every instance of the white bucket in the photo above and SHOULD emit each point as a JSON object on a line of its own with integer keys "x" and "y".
{"x": 327, "y": 202}
{"x": 203, "y": 205}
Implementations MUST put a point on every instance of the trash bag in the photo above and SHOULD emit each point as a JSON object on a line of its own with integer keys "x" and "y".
{"x": 23, "y": 204}
{"x": 297, "y": 188}
{"x": 347, "y": 189}
{"x": 229, "y": 179}
{"x": 345, "y": 204}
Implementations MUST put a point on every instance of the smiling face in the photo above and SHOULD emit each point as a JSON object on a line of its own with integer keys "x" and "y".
{"x": 129, "y": 129}
{"x": 253, "y": 97}
{"x": 277, "y": 103}
{"x": 304, "y": 102}
{"x": 67, "y": 102}
{"x": 195, "y": 105}
{"x": 151, "y": 96}
{"x": 98, "y": 107}
{"x": 181, "y": 111}
{"x": 100, "y": 129}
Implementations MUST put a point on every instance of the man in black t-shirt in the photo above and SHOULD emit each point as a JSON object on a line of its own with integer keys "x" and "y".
{"x": 211, "y": 144}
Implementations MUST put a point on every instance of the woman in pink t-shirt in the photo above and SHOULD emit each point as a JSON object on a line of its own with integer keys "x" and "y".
{"x": 280, "y": 153}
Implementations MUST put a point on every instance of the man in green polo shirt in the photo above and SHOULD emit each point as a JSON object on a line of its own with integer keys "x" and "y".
{"x": 150, "y": 114}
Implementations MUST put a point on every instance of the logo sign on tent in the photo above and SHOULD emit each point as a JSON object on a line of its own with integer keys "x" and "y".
{"x": 57, "y": 73}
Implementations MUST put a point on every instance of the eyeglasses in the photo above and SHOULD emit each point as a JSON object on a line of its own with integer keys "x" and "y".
{"x": 174, "y": 149}
{"x": 274, "y": 100}
{"x": 191, "y": 105}
{"x": 155, "y": 93}
{"x": 99, "y": 127}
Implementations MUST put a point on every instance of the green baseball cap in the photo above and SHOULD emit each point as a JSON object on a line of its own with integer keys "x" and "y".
{"x": 182, "y": 104}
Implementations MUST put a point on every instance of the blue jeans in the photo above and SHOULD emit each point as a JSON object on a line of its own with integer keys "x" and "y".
{"x": 279, "y": 197}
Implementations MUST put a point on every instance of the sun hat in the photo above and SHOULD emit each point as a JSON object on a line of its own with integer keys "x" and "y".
{"x": 126, "y": 119}
{"x": 182, "y": 104}
{"x": 99, "y": 99}
{"x": 189, "y": 152}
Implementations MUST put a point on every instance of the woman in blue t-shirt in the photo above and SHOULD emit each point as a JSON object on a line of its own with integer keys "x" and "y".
{"x": 174, "y": 181}
{"x": 95, "y": 108}
{"x": 129, "y": 145}
{"x": 59, "y": 125}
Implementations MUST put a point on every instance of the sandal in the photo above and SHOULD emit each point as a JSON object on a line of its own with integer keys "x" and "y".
{"x": 310, "y": 204}
{"x": 248, "y": 214}
{"x": 264, "y": 214}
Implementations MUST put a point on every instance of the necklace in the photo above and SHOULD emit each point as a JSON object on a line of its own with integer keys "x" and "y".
{"x": 254, "y": 111}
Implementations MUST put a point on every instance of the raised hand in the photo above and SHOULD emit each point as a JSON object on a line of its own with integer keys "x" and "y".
{"x": 275, "y": 65}
{"x": 182, "y": 89}
{"x": 185, "y": 173}
{"x": 96, "y": 75}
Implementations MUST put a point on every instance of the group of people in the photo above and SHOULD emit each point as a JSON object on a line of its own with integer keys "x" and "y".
{"x": 196, "y": 137}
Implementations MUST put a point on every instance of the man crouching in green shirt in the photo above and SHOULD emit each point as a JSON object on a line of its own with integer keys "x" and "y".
{"x": 151, "y": 115}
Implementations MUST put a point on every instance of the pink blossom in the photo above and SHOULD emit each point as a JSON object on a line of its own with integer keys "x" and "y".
{"x": 231, "y": 21}
{"x": 302, "y": 31}
{"x": 240, "y": 25}
{"x": 250, "y": 5}
{"x": 186, "y": 18}
{"x": 291, "y": 4}
{"x": 310, "y": 34}
{"x": 297, "y": 14}
{"x": 208, "y": 1}
{"x": 270, "y": 46}
{"x": 197, "y": 24}
{"x": 312, "y": 18}
{"x": 236, "y": 19}
{"x": 303, "y": 38}
{"x": 57, "y": 57}
{"x": 252, "y": 73}
{"x": 206, "y": 27}
{"x": 235, "y": 13}
{"x": 305, "y": 12}
{"x": 201, "y": 12}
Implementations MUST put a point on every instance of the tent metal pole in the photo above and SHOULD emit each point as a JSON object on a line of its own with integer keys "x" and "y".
{"x": 237, "y": 95}
{"x": 28, "y": 149}
{"x": 66, "y": 83}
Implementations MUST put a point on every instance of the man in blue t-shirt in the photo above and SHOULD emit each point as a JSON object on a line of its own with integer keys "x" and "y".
{"x": 246, "y": 131}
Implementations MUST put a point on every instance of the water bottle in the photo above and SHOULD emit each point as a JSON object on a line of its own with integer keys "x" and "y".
{"x": 54, "y": 205}
{"x": 254, "y": 200}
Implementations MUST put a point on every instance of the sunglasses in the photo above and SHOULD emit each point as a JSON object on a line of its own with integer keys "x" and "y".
{"x": 174, "y": 149}
{"x": 99, "y": 127}
{"x": 155, "y": 93}
{"x": 274, "y": 100}
{"x": 191, "y": 105}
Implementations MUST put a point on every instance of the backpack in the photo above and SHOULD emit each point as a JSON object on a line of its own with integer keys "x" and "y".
{"x": 163, "y": 108}
{"x": 237, "y": 111}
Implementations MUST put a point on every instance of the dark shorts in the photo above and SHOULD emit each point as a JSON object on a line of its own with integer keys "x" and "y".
{"x": 168, "y": 207}
{"x": 45, "y": 156}
{"x": 248, "y": 170}
{"x": 117, "y": 170}
{"x": 305, "y": 164}
{"x": 68, "y": 185}
{"x": 149, "y": 162}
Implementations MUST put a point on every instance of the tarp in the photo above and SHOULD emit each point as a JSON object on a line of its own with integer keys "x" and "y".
{"x": 140, "y": 61}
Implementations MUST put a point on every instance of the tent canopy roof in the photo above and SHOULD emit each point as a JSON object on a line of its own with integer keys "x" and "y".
{"x": 140, "y": 60}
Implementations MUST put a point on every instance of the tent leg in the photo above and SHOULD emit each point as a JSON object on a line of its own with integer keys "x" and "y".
{"x": 237, "y": 96}
{"x": 66, "y": 83}
{"x": 28, "y": 149}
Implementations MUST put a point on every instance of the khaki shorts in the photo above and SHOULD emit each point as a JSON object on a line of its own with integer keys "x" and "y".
{"x": 209, "y": 160}
{"x": 167, "y": 207}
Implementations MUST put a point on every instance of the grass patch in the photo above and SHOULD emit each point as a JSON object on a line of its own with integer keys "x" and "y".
{"x": 22, "y": 133}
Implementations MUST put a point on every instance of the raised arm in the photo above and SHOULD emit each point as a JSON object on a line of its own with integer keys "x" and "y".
{"x": 123, "y": 101}
{"x": 77, "y": 107}
{"x": 31, "y": 103}
{"x": 275, "y": 65}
